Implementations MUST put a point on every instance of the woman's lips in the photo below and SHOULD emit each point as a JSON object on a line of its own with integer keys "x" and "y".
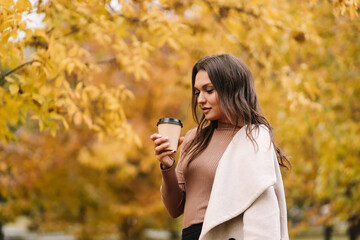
{"x": 206, "y": 110}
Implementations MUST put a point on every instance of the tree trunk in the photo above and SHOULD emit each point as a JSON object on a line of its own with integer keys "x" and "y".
{"x": 354, "y": 227}
{"x": 2, "y": 236}
{"x": 328, "y": 232}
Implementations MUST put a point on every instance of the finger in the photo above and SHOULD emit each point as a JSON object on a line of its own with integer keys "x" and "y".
{"x": 166, "y": 154}
{"x": 161, "y": 140}
{"x": 155, "y": 136}
{"x": 160, "y": 148}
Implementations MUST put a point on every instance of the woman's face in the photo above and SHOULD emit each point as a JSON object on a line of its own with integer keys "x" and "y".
{"x": 207, "y": 97}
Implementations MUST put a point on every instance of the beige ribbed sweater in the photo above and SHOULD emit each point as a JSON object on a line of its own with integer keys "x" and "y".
{"x": 186, "y": 188}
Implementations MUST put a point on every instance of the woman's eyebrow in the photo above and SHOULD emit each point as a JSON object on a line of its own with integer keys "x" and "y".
{"x": 203, "y": 86}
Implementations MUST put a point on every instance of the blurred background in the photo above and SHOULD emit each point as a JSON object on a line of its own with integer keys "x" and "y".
{"x": 83, "y": 83}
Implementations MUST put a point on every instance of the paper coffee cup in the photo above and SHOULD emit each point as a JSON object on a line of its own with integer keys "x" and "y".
{"x": 171, "y": 128}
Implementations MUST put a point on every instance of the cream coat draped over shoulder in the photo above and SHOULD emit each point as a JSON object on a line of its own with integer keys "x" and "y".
{"x": 247, "y": 199}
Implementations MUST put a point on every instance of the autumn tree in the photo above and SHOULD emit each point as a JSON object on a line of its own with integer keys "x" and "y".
{"x": 100, "y": 73}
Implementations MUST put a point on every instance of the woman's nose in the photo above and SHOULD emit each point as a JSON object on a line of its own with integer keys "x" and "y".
{"x": 201, "y": 99}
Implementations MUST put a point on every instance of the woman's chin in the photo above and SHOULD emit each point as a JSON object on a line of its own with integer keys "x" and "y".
{"x": 209, "y": 118}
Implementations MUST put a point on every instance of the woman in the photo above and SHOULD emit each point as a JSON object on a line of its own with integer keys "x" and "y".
{"x": 227, "y": 182}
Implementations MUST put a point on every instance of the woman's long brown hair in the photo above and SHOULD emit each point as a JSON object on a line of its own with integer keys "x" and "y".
{"x": 234, "y": 83}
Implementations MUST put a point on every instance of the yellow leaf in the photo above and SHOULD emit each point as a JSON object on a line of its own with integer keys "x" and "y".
{"x": 55, "y": 116}
{"x": 73, "y": 51}
{"x": 35, "y": 117}
{"x": 28, "y": 34}
{"x": 40, "y": 99}
{"x": 4, "y": 37}
{"x": 22, "y": 26}
{"x": 44, "y": 90}
{"x": 41, "y": 125}
{"x": 14, "y": 34}
{"x": 64, "y": 122}
{"x": 92, "y": 92}
{"x": 63, "y": 63}
{"x": 59, "y": 81}
{"x": 41, "y": 33}
{"x": 70, "y": 68}
{"x": 21, "y": 79}
{"x": 79, "y": 87}
{"x": 96, "y": 128}
{"x": 37, "y": 64}
{"x": 87, "y": 120}
{"x": 14, "y": 89}
{"x": 173, "y": 44}
{"x": 71, "y": 109}
{"x": 6, "y": 3}
{"x": 59, "y": 7}
{"x": 10, "y": 79}
{"x": 77, "y": 118}
{"x": 53, "y": 131}
{"x": 137, "y": 141}
{"x": 22, "y": 5}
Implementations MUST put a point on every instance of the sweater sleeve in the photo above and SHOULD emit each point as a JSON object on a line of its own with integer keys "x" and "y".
{"x": 172, "y": 195}
{"x": 173, "y": 184}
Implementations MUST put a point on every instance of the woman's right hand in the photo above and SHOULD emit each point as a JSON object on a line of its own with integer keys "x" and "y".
{"x": 166, "y": 158}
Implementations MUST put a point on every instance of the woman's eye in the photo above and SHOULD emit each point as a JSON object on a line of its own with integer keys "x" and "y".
{"x": 196, "y": 93}
{"x": 209, "y": 90}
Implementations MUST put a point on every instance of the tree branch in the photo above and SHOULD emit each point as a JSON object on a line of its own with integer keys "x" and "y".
{"x": 242, "y": 45}
{"x": 74, "y": 29}
{"x": 18, "y": 68}
{"x": 2, "y": 76}
{"x": 242, "y": 10}
{"x": 130, "y": 19}
{"x": 219, "y": 20}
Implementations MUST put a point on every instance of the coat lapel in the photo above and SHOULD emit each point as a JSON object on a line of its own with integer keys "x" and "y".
{"x": 244, "y": 172}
